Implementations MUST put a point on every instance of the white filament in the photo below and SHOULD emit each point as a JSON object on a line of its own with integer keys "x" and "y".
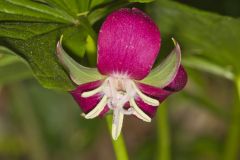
{"x": 117, "y": 91}
{"x": 139, "y": 112}
{"x": 92, "y": 92}
{"x": 145, "y": 98}
{"x": 98, "y": 109}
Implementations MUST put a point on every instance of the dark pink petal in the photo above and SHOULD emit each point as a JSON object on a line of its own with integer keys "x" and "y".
{"x": 161, "y": 94}
{"x": 104, "y": 111}
{"x": 179, "y": 81}
{"x": 87, "y": 104}
{"x": 146, "y": 108}
{"x": 128, "y": 43}
{"x": 154, "y": 92}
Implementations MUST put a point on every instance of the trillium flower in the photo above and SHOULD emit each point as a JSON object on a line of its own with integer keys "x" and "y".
{"x": 124, "y": 82}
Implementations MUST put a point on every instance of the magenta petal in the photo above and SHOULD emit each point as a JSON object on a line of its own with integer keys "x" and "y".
{"x": 154, "y": 92}
{"x": 161, "y": 94}
{"x": 104, "y": 111}
{"x": 128, "y": 43}
{"x": 179, "y": 81}
{"x": 146, "y": 108}
{"x": 87, "y": 104}
{"x": 177, "y": 84}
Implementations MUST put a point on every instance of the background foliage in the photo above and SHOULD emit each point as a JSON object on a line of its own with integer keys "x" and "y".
{"x": 202, "y": 122}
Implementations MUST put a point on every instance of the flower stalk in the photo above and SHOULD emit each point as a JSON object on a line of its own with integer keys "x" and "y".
{"x": 233, "y": 138}
{"x": 119, "y": 144}
{"x": 163, "y": 152}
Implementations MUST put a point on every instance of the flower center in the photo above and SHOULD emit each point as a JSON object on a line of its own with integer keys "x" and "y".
{"x": 117, "y": 92}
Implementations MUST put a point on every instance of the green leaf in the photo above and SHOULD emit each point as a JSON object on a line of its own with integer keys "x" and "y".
{"x": 72, "y": 6}
{"x": 12, "y": 69}
{"x": 100, "y": 13}
{"x": 36, "y": 43}
{"x": 39, "y": 52}
{"x": 207, "y": 66}
{"x": 163, "y": 74}
{"x": 91, "y": 50}
{"x": 4, "y": 50}
{"x": 26, "y": 30}
{"x": 6, "y": 59}
{"x": 31, "y": 30}
{"x": 12, "y": 9}
{"x": 210, "y": 36}
{"x": 75, "y": 40}
{"x": 141, "y": 1}
{"x": 78, "y": 73}
{"x": 60, "y": 4}
{"x": 87, "y": 26}
{"x": 95, "y": 3}
{"x": 83, "y": 6}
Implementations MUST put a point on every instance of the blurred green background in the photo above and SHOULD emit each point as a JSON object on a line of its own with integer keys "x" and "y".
{"x": 200, "y": 123}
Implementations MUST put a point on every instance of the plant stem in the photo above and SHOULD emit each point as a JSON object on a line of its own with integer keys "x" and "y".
{"x": 163, "y": 133}
{"x": 118, "y": 145}
{"x": 233, "y": 139}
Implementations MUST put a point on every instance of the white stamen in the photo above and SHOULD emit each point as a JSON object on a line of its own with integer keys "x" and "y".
{"x": 92, "y": 92}
{"x": 139, "y": 112}
{"x": 117, "y": 91}
{"x": 145, "y": 98}
{"x": 139, "y": 116}
{"x": 98, "y": 109}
